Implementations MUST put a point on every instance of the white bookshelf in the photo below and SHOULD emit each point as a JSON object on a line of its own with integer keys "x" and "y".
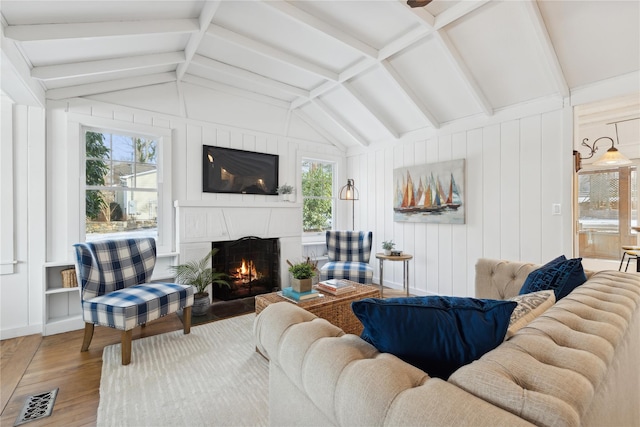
{"x": 62, "y": 309}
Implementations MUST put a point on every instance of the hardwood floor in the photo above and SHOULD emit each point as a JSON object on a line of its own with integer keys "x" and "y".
{"x": 35, "y": 364}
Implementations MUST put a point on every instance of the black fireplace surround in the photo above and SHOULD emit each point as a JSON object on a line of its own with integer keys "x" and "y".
{"x": 253, "y": 266}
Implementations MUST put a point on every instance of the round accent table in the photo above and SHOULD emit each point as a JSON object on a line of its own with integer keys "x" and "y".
{"x": 405, "y": 258}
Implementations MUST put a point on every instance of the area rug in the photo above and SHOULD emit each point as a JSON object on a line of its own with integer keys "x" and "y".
{"x": 212, "y": 377}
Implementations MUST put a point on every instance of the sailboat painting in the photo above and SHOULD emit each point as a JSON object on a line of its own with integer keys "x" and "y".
{"x": 432, "y": 193}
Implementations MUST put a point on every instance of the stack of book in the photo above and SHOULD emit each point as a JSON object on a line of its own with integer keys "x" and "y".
{"x": 294, "y": 296}
{"x": 336, "y": 286}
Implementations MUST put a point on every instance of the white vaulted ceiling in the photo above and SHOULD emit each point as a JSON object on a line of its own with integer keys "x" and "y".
{"x": 358, "y": 71}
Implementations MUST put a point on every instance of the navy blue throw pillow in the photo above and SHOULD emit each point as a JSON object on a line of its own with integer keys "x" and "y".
{"x": 560, "y": 275}
{"x": 434, "y": 333}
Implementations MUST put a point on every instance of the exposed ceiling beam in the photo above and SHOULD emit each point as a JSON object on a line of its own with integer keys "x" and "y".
{"x": 248, "y": 75}
{"x": 410, "y": 94}
{"x": 376, "y": 114}
{"x": 110, "y": 86}
{"x": 309, "y": 121}
{"x": 270, "y": 52}
{"x": 457, "y": 11}
{"x": 338, "y": 120}
{"x": 322, "y": 27}
{"x": 79, "y": 69}
{"x": 461, "y": 68}
{"x": 404, "y": 41}
{"x": 43, "y": 32}
{"x": 232, "y": 90}
{"x": 546, "y": 46}
{"x": 205, "y": 18}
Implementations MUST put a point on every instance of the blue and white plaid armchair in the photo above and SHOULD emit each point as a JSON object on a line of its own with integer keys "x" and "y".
{"x": 114, "y": 278}
{"x": 348, "y": 253}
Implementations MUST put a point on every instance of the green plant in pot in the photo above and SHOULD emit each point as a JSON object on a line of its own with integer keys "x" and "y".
{"x": 286, "y": 192}
{"x": 388, "y": 246}
{"x": 200, "y": 274}
{"x": 302, "y": 274}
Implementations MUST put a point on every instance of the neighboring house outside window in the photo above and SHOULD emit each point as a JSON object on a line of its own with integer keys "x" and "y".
{"x": 607, "y": 209}
{"x": 121, "y": 185}
{"x": 318, "y": 197}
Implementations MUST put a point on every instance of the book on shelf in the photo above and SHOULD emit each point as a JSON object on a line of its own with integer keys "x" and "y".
{"x": 294, "y": 296}
{"x": 335, "y": 286}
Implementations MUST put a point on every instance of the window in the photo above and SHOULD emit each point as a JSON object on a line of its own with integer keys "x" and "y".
{"x": 121, "y": 185}
{"x": 607, "y": 209}
{"x": 318, "y": 199}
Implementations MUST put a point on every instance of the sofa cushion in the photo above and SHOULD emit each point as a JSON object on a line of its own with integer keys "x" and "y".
{"x": 560, "y": 275}
{"x": 434, "y": 333}
{"x": 529, "y": 307}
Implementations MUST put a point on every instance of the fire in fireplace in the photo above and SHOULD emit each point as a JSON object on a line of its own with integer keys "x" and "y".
{"x": 253, "y": 266}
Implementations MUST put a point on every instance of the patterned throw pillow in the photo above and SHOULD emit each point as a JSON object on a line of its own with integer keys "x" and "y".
{"x": 529, "y": 307}
{"x": 560, "y": 275}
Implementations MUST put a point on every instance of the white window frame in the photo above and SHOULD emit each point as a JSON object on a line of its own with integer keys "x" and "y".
{"x": 165, "y": 238}
{"x": 319, "y": 236}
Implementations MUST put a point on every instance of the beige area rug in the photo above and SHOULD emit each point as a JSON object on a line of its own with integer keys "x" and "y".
{"x": 212, "y": 377}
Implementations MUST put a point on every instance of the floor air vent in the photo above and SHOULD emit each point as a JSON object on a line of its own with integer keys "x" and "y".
{"x": 36, "y": 407}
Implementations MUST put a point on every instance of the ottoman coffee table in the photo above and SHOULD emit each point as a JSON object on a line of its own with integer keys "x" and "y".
{"x": 334, "y": 308}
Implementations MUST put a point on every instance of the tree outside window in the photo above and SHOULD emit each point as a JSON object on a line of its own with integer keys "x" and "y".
{"x": 121, "y": 185}
{"x": 317, "y": 195}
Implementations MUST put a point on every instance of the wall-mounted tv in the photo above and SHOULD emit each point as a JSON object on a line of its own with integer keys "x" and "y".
{"x": 227, "y": 170}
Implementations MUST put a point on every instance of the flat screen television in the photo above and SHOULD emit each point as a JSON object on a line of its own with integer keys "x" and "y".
{"x": 227, "y": 170}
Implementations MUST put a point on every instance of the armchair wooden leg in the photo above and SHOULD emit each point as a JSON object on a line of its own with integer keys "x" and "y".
{"x": 186, "y": 319}
{"x": 126, "y": 347}
{"x": 88, "y": 335}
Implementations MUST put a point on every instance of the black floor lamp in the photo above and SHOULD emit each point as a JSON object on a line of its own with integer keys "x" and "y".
{"x": 350, "y": 192}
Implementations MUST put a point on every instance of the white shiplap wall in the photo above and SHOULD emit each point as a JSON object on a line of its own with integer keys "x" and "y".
{"x": 515, "y": 171}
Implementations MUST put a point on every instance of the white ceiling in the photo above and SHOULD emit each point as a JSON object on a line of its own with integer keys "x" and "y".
{"x": 362, "y": 71}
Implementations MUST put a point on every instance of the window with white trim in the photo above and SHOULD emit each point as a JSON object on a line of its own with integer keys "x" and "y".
{"x": 318, "y": 198}
{"x": 121, "y": 188}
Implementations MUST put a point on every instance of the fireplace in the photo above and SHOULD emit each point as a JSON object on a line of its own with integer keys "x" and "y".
{"x": 253, "y": 266}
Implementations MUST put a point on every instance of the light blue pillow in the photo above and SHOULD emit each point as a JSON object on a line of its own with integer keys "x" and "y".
{"x": 434, "y": 333}
{"x": 561, "y": 275}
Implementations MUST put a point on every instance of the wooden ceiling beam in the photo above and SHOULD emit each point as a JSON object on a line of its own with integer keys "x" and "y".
{"x": 110, "y": 86}
{"x": 546, "y": 46}
{"x": 44, "y": 32}
{"x": 241, "y": 73}
{"x": 204, "y": 20}
{"x": 323, "y": 28}
{"x": 270, "y": 52}
{"x": 104, "y": 66}
{"x": 338, "y": 120}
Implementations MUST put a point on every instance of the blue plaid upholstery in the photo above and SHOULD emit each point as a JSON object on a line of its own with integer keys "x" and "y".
{"x": 114, "y": 277}
{"x": 348, "y": 253}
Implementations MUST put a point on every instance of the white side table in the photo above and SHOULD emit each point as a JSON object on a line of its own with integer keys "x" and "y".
{"x": 405, "y": 258}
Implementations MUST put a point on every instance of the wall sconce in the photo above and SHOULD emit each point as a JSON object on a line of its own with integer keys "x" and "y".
{"x": 611, "y": 158}
{"x": 350, "y": 192}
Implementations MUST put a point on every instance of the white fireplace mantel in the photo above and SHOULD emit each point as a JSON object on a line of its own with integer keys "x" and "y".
{"x": 199, "y": 223}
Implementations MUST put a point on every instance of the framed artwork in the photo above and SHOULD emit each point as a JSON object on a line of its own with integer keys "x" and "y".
{"x": 432, "y": 193}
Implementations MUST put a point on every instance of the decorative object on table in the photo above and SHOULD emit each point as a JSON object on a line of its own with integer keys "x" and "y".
{"x": 302, "y": 274}
{"x": 350, "y": 192}
{"x": 295, "y": 296}
{"x": 388, "y": 246}
{"x": 432, "y": 193}
{"x": 336, "y": 286}
{"x": 396, "y": 253}
{"x": 348, "y": 255}
{"x": 200, "y": 274}
{"x": 285, "y": 192}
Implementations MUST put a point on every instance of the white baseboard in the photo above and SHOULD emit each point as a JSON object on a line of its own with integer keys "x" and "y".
{"x": 6, "y": 334}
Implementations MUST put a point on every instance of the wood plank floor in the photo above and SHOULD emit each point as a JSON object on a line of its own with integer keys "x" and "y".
{"x": 35, "y": 364}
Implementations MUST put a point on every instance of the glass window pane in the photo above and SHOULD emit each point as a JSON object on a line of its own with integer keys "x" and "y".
{"x": 146, "y": 150}
{"x": 598, "y": 200}
{"x": 317, "y": 194}
{"x": 118, "y": 213}
{"x": 122, "y": 148}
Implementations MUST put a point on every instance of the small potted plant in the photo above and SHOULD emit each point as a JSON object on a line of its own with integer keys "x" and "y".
{"x": 285, "y": 191}
{"x": 302, "y": 276}
{"x": 200, "y": 274}
{"x": 388, "y": 246}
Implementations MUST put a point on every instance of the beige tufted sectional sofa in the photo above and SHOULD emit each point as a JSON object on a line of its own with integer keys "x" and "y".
{"x": 577, "y": 364}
